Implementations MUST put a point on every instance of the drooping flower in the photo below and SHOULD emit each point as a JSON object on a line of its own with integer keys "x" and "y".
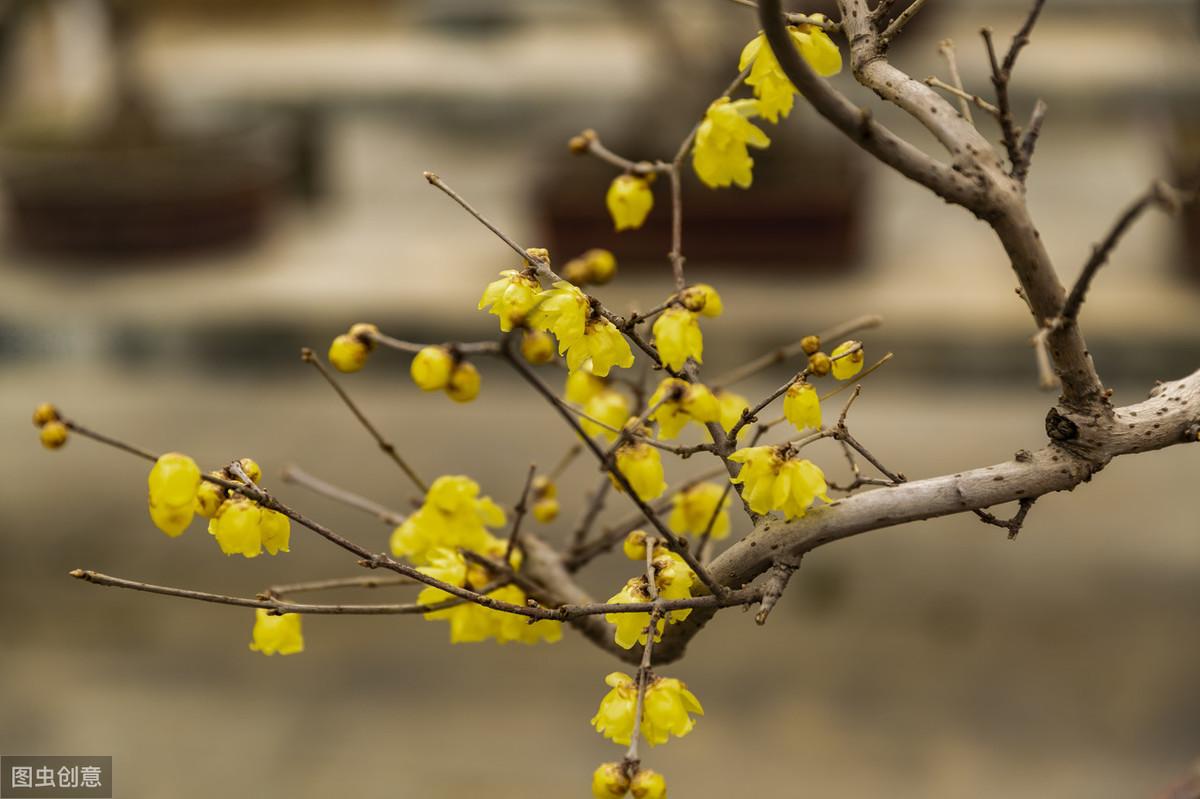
{"x": 453, "y": 515}
{"x": 630, "y": 628}
{"x": 773, "y": 482}
{"x": 537, "y": 346}
{"x": 667, "y": 705}
{"x": 673, "y": 579}
{"x": 431, "y": 368}
{"x": 847, "y": 359}
{"x": 802, "y": 406}
{"x": 629, "y": 200}
{"x": 173, "y": 483}
{"x": 238, "y": 528}
{"x": 634, "y": 546}
{"x": 464, "y": 382}
{"x": 732, "y": 405}
{"x": 677, "y": 402}
{"x": 703, "y": 299}
{"x": 614, "y": 719}
{"x": 563, "y": 310}
{"x": 603, "y": 345}
{"x": 609, "y": 781}
{"x": 582, "y": 385}
{"x": 642, "y": 466}
{"x": 209, "y": 497}
{"x": 774, "y": 91}
{"x": 648, "y": 784}
{"x": 610, "y": 407}
{"x": 276, "y": 634}
{"x": 276, "y": 531}
{"x": 677, "y": 336}
{"x": 695, "y": 507}
{"x": 720, "y": 155}
{"x": 511, "y": 297}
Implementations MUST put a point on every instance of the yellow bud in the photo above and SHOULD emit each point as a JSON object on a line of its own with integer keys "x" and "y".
{"x": 431, "y": 368}
{"x": 364, "y": 332}
{"x": 44, "y": 414}
{"x": 252, "y": 469}
{"x": 537, "y": 346}
{"x": 576, "y": 271}
{"x": 53, "y": 435}
{"x": 648, "y": 784}
{"x": 601, "y": 265}
{"x": 464, "y": 383}
{"x": 609, "y": 781}
{"x": 635, "y": 545}
{"x": 544, "y": 487}
{"x": 702, "y": 299}
{"x": 347, "y": 353}
{"x": 209, "y": 497}
{"x": 540, "y": 253}
{"x": 545, "y": 510}
{"x": 579, "y": 145}
{"x": 847, "y": 359}
{"x": 810, "y": 344}
{"x": 819, "y": 364}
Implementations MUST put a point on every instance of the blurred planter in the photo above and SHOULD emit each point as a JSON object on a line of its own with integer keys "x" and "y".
{"x": 804, "y": 211}
{"x": 195, "y": 188}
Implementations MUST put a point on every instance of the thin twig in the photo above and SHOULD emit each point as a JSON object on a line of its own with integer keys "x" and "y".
{"x": 764, "y": 362}
{"x": 1014, "y": 524}
{"x": 965, "y": 98}
{"x": 294, "y": 474}
{"x": 897, "y": 25}
{"x": 1029, "y": 140}
{"x": 595, "y": 504}
{"x": 519, "y": 515}
{"x": 946, "y": 49}
{"x": 370, "y": 581}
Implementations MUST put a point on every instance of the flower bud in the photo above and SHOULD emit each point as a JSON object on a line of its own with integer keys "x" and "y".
{"x": 53, "y": 435}
{"x": 648, "y": 784}
{"x": 544, "y": 487}
{"x": 347, "y": 353}
{"x": 364, "y": 332}
{"x": 538, "y": 253}
{"x": 431, "y": 368}
{"x": 251, "y": 468}
{"x": 44, "y": 414}
{"x": 209, "y": 497}
{"x": 576, "y": 271}
{"x": 545, "y": 510}
{"x": 635, "y": 545}
{"x": 602, "y": 266}
{"x": 578, "y": 145}
{"x": 810, "y": 344}
{"x": 537, "y": 346}
{"x": 847, "y": 359}
{"x": 464, "y": 383}
{"x": 703, "y": 299}
{"x": 609, "y": 781}
{"x": 819, "y": 364}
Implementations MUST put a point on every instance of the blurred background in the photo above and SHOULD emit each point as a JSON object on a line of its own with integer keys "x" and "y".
{"x": 194, "y": 190}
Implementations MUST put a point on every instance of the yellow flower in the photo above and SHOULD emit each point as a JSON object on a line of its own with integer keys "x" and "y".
{"x": 774, "y": 91}
{"x": 772, "y": 482}
{"x": 694, "y": 508}
{"x": 679, "y": 402}
{"x": 634, "y": 546}
{"x": 609, "y": 781}
{"x": 238, "y": 528}
{"x": 44, "y": 414}
{"x": 512, "y": 297}
{"x": 732, "y": 405}
{"x": 847, "y": 360}
{"x": 582, "y": 385}
{"x": 802, "y": 406}
{"x": 609, "y": 406}
{"x": 703, "y": 299}
{"x": 453, "y": 515}
{"x": 509, "y": 627}
{"x": 629, "y": 200}
{"x": 602, "y": 344}
{"x": 53, "y": 434}
{"x": 719, "y": 156}
{"x": 667, "y": 705}
{"x": 614, "y": 719}
{"x": 631, "y": 627}
{"x": 648, "y": 784}
{"x": 173, "y": 484}
{"x": 537, "y": 346}
{"x": 674, "y": 579}
{"x": 431, "y": 367}
{"x": 564, "y": 311}
{"x": 677, "y": 336}
{"x": 601, "y": 265}
{"x": 251, "y": 468}
{"x": 642, "y": 466}
{"x": 348, "y": 353}
{"x": 545, "y": 510}
{"x": 464, "y": 382}
{"x": 277, "y": 634}
{"x": 276, "y": 531}
{"x": 209, "y": 497}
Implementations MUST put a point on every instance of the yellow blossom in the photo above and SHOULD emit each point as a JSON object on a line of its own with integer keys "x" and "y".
{"x": 674, "y": 579}
{"x": 667, "y": 705}
{"x": 563, "y": 310}
{"x": 677, "y": 336}
{"x": 431, "y": 368}
{"x": 603, "y": 345}
{"x": 173, "y": 483}
{"x": 648, "y": 784}
{"x": 582, "y": 385}
{"x": 693, "y": 510}
{"x": 209, "y": 497}
{"x": 601, "y": 265}
{"x": 677, "y": 402}
{"x": 537, "y": 346}
{"x": 545, "y": 510}
{"x": 774, "y": 91}
{"x": 634, "y": 546}
{"x": 347, "y": 353}
{"x": 53, "y": 434}
{"x": 847, "y": 359}
{"x": 703, "y": 299}
{"x": 453, "y": 515}
{"x": 609, "y": 781}
{"x": 512, "y": 297}
{"x": 251, "y": 468}
{"x": 610, "y": 407}
{"x": 802, "y": 406}
{"x": 629, "y": 200}
{"x": 44, "y": 414}
{"x": 614, "y": 719}
{"x": 464, "y": 382}
{"x": 732, "y": 405}
{"x": 238, "y": 528}
{"x": 631, "y": 627}
{"x": 277, "y": 634}
{"x": 719, "y": 156}
{"x": 772, "y": 482}
{"x": 276, "y": 531}
{"x": 642, "y": 466}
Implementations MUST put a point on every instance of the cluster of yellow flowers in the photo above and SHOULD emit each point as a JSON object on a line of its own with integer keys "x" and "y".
{"x": 53, "y": 431}
{"x": 612, "y": 781}
{"x": 677, "y": 329}
{"x": 677, "y": 402}
{"x": 696, "y": 508}
{"x": 665, "y": 710}
{"x": 673, "y": 579}
{"x": 773, "y": 480}
{"x": 582, "y": 333}
{"x": 453, "y": 515}
{"x": 178, "y": 492}
{"x": 437, "y": 368}
{"x": 599, "y": 401}
{"x": 348, "y": 352}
